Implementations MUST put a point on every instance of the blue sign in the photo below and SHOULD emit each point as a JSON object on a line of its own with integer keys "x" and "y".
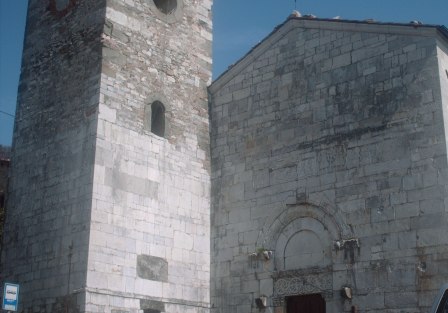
{"x": 11, "y": 297}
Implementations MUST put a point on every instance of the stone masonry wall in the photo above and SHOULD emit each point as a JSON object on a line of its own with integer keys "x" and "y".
{"x": 50, "y": 191}
{"x": 442, "y": 53}
{"x": 329, "y": 151}
{"x": 5, "y": 157}
{"x": 4, "y": 177}
{"x": 150, "y": 231}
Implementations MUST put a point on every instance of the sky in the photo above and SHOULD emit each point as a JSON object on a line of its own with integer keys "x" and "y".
{"x": 238, "y": 25}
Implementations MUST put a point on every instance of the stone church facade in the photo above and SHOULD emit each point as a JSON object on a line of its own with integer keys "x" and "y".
{"x": 316, "y": 164}
{"x": 329, "y": 169}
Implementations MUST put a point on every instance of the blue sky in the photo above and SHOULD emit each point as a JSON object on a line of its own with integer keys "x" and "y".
{"x": 238, "y": 26}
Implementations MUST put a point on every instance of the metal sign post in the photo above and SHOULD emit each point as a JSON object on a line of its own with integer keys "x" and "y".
{"x": 11, "y": 297}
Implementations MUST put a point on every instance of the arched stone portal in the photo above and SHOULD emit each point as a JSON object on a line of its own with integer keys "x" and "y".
{"x": 303, "y": 243}
{"x": 302, "y": 239}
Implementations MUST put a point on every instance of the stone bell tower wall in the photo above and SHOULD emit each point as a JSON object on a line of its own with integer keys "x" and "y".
{"x": 45, "y": 246}
{"x": 150, "y": 233}
{"x": 109, "y": 200}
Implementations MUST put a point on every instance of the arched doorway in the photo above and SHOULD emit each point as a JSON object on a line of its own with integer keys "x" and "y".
{"x": 302, "y": 239}
{"x": 314, "y": 303}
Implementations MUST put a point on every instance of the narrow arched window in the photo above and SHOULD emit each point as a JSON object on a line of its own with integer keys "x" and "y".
{"x": 158, "y": 118}
{"x": 166, "y": 6}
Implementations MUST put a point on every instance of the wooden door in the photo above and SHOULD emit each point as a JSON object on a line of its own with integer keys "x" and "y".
{"x": 305, "y": 304}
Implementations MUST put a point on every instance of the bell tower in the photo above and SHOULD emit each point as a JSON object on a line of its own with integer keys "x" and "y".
{"x": 109, "y": 202}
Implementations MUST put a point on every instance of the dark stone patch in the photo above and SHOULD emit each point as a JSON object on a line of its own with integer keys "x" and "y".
{"x": 151, "y": 306}
{"x": 66, "y": 304}
{"x": 152, "y": 268}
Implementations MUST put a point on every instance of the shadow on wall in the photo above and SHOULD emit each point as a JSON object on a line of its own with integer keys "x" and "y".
{"x": 4, "y": 169}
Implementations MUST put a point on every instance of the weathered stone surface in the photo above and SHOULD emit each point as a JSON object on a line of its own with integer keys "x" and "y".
{"x": 321, "y": 153}
{"x": 152, "y": 268}
{"x": 93, "y": 189}
{"x": 328, "y": 159}
{"x": 151, "y": 305}
{"x": 152, "y": 196}
{"x": 50, "y": 192}
{"x": 5, "y": 160}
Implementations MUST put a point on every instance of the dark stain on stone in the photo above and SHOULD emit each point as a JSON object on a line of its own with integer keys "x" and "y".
{"x": 152, "y": 268}
{"x": 66, "y": 304}
{"x": 152, "y": 306}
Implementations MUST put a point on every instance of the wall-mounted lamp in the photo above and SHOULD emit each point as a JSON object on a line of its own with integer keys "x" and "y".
{"x": 262, "y": 254}
{"x": 347, "y": 243}
{"x": 261, "y": 302}
{"x": 346, "y": 292}
{"x": 267, "y": 254}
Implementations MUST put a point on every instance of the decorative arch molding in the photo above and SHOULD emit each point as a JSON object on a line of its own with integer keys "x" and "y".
{"x": 312, "y": 230}
{"x": 303, "y": 243}
{"x": 331, "y": 220}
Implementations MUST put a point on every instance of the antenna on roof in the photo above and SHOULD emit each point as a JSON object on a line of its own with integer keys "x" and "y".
{"x": 295, "y": 4}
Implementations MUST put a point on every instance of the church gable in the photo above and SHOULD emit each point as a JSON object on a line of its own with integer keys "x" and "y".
{"x": 324, "y": 142}
{"x": 302, "y": 24}
{"x": 308, "y": 75}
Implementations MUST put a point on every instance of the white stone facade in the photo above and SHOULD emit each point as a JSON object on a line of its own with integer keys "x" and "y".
{"x": 151, "y": 194}
{"x": 118, "y": 217}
